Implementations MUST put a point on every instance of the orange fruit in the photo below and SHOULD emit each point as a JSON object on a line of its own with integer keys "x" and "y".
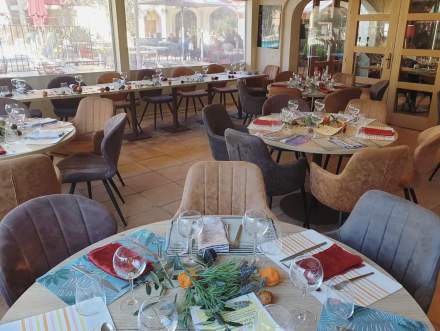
{"x": 184, "y": 280}
{"x": 271, "y": 275}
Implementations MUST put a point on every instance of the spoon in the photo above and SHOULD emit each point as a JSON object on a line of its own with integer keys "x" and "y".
{"x": 107, "y": 327}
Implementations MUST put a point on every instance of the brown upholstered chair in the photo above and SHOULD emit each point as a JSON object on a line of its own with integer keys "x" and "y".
{"x": 224, "y": 188}
{"x": 271, "y": 71}
{"x": 343, "y": 78}
{"x": 371, "y": 108}
{"x": 221, "y": 88}
{"x": 42, "y": 232}
{"x": 338, "y": 100}
{"x": 155, "y": 97}
{"x": 423, "y": 162}
{"x": 26, "y": 178}
{"x": 258, "y": 85}
{"x": 283, "y": 76}
{"x": 369, "y": 169}
{"x": 294, "y": 93}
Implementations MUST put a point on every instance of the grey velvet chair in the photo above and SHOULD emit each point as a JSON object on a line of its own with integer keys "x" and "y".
{"x": 64, "y": 108}
{"x": 251, "y": 105}
{"x": 398, "y": 235}
{"x": 87, "y": 167}
{"x": 278, "y": 179}
{"x": 42, "y": 232}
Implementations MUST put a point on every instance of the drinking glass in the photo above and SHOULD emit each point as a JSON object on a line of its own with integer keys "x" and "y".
{"x": 9, "y": 107}
{"x": 4, "y": 91}
{"x": 205, "y": 69}
{"x": 87, "y": 288}
{"x": 339, "y": 301}
{"x": 18, "y": 115}
{"x": 128, "y": 265}
{"x": 158, "y": 316}
{"x": 255, "y": 224}
{"x": 293, "y": 104}
{"x": 78, "y": 79}
{"x": 20, "y": 86}
{"x": 190, "y": 226}
{"x": 115, "y": 83}
{"x": 354, "y": 112}
{"x": 319, "y": 107}
{"x": 123, "y": 75}
{"x": 306, "y": 274}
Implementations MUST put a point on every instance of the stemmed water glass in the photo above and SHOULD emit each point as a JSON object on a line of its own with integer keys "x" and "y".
{"x": 293, "y": 104}
{"x": 123, "y": 76}
{"x": 306, "y": 274}
{"x": 190, "y": 226}
{"x": 319, "y": 107}
{"x": 255, "y": 224}
{"x": 8, "y": 109}
{"x": 18, "y": 116}
{"x": 78, "y": 79}
{"x": 159, "y": 316}
{"x": 339, "y": 301}
{"x": 354, "y": 112}
{"x": 128, "y": 264}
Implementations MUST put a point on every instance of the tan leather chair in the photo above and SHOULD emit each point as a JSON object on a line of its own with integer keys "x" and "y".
{"x": 423, "y": 162}
{"x": 370, "y": 108}
{"x": 25, "y": 178}
{"x": 369, "y": 169}
{"x": 294, "y": 93}
{"x": 343, "y": 78}
{"x": 338, "y": 100}
{"x": 284, "y": 76}
{"x": 224, "y": 188}
{"x": 215, "y": 68}
{"x": 271, "y": 71}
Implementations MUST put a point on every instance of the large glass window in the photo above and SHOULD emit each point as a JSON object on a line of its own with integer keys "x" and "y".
{"x": 189, "y": 32}
{"x": 40, "y": 37}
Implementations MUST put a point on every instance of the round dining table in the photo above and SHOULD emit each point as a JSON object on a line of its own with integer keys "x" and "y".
{"x": 20, "y": 147}
{"x": 37, "y": 299}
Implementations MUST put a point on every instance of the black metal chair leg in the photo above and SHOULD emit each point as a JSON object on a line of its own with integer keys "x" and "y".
{"x": 279, "y": 156}
{"x": 297, "y": 155}
{"x": 327, "y": 159}
{"x": 144, "y": 112}
{"x": 160, "y": 110}
{"x": 338, "y": 168}
{"x": 406, "y": 192}
{"x": 245, "y": 119}
{"x": 115, "y": 203}
{"x": 413, "y": 195}
{"x": 233, "y": 99}
{"x": 270, "y": 202}
{"x": 186, "y": 109}
{"x": 155, "y": 116}
{"x": 306, "y": 213}
{"x": 435, "y": 171}
{"x": 89, "y": 190}
{"x": 313, "y": 203}
{"x": 271, "y": 151}
{"x": 194, "y": 105}
{"x": 170, "y": 108}
{"x": 120, "y": 178}
{"x": 72, "y": 188}
{"x": 203, "y": 105}
{"x": 180, "y": 101}
{"x": 112, "y": 183}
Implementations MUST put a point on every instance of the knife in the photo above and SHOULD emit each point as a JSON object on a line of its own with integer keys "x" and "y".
{"x": 104, "y": 282}
{"x": 291, "y": 257}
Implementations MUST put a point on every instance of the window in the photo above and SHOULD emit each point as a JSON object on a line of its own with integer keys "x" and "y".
{"x": 190, "y": 32}
{"x": 40, "y": 37}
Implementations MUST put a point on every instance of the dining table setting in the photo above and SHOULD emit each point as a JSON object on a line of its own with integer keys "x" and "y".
{"x": 214, "y": 272}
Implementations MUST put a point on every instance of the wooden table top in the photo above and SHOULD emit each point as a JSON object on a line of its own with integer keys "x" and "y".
{"x": 38, "y": 299}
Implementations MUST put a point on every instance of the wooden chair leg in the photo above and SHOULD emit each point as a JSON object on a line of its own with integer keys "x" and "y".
{"x": 115, "y": 203}
{"x": 112, "y": 183}
{"x": 89, "y": 189}
{"x": 413, "y": 195}
{"x": 72, "y": 188}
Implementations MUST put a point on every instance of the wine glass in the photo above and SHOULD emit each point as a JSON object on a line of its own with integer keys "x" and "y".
{"x": 4, "y": 91}
{"x": 354, "y": 112}
{"x": 20, "y": 86}
{"x": 78, "y": 79}
{"x": 205, "y": 70}
{"x": 158, "y": 316}
{"x": 123, "y": 76}
{"x": 306, "y": 274}
{"x": 9, "y": 107}
{"x": 293, "y": 104}
{"x": 339, "y": 301}
{"x": 128, "y": 265}
{"x": 255, "y": 224}
{"x": 319, "y": 107}
{"x": 18, "y": 115}
{"x": 86, "y": 289}
{"x": 190, "y": 226}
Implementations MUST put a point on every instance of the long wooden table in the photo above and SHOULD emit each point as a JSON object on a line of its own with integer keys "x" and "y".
{"x": 38, "y": 299}
{"x": 131, "y": 89}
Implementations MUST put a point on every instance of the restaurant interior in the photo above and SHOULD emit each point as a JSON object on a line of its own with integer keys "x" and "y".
{"x": 219, "y": 165}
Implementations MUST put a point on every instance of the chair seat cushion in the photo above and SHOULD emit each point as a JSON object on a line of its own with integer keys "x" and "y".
{"x": 83, "y": 167}
{"x": 226, "y": 89}
{"x": 159, "y": 99}
{"x": 196, "y": 93}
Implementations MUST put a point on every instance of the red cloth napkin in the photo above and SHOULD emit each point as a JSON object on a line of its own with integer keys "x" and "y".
{"x": 2, "y": 150}
{"x": 102, "y": 257}
{"x": 259, "y": 121}
{"x": 378, "y": 132}
{"x": 336, "y": 260}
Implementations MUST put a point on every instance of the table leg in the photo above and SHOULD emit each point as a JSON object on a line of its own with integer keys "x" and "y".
{"x": 176, "y": 127}
{"x": 136, "y": 134}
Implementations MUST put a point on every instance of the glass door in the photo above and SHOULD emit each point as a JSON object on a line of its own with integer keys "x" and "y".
{"x": 415, "y": 80}
{"x": 371, "y": 32}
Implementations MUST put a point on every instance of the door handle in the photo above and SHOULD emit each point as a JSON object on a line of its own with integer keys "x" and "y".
{"x": 388, "y": 60}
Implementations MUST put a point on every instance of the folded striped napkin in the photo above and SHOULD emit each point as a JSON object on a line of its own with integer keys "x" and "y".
{"x": 213, "y": 235}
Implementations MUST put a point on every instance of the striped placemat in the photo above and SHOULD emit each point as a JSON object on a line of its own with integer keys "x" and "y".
{"x": 64, "y": 319}
{"x": 366, "y": 291}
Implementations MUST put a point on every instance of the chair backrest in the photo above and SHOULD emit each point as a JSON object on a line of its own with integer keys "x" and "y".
{"x": 338, "y": 100}
{"x": 370, "y": 108}
{"x": 217, "y": 120}
{"x": 145, "y": 74}
{"x": 343, "y": 78}
{"x": 292, "y": 92}
{"x": 223, "y": 188}
{"x": 249, "y": 103}
{"x": 215, "y": 68}
{"x": 42, "y": 232}
{"x": 112, "y": 142}
{"x": 9, "y": 101}
{"x": 181, "y": 71}
{"x": 271, "y": 71}
{"x": 63, "y": 103}
{"x": 92, "y": 114}
{"x": 426, "y": 156}
{"x": 275, "y": 103}
{"x": 26, "y": 178}
{"x": 107, "y": 78}
{"x": 284, "y": 76}
{"x": 378, "y": 90}
{"x": 401, "y": 237}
